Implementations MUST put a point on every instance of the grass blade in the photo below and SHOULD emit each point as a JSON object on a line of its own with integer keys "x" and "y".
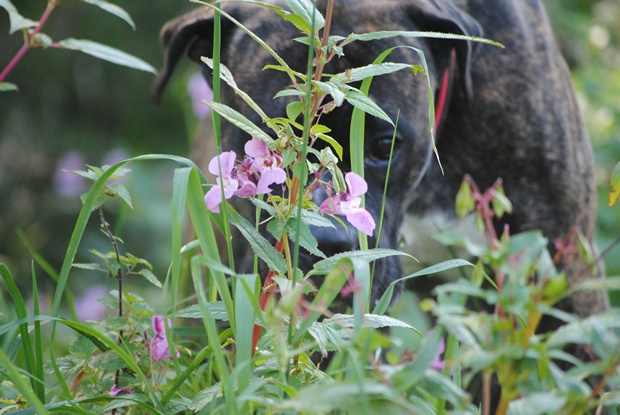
{"x": 20, "y": 311}
{"x": 22, "y": 386}
{"x": 38, "y": 342}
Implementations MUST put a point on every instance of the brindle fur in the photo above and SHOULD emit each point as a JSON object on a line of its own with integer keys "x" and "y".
{"x": 513, "y": 112}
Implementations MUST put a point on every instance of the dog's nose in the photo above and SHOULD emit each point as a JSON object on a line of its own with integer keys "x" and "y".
{"x": 332, "y": 240}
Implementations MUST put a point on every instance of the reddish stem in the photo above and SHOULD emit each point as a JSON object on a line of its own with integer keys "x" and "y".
{"x": 51, "y": 5}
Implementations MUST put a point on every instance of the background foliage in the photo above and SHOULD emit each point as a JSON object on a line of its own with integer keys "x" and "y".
{"x": 69, "y": 102}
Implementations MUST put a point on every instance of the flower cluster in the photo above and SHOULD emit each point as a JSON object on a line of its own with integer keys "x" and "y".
{"x": 260, "y": 169}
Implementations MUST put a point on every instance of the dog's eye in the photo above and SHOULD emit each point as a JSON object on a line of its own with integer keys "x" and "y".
{"x": 379, "y": 150}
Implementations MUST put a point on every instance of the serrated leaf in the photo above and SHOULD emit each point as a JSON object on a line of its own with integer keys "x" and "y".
{"x": 150, "y": 277}
{"x": 363, "y": 72}
{"x": 106, "y": 53}
{"x": 239, "y": 120}
{"x": 113, "y": 9}
{"x": 7, "y": 87}
{"x": 614, "y": 184}
{"x": 364, "y": 103}
{"x": 16, "y": 20}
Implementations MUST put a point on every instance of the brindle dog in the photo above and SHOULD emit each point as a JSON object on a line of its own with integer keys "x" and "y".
{"x": 512, "y": 112}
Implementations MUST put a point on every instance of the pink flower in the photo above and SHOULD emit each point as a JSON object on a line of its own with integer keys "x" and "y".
{"x": 438, "y": 364}
{"x": 352, "y": 287}
{"x": 225, "y": 162}
{"x": 349, "y": 204}
{"x": 159, "y": 343}
{"x": 266, "y": 164}
{"x": 116, "y": 391}
{"x": 260, "y": 169}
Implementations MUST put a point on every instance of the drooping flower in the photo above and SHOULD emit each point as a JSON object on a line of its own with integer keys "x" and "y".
{"x": 438, "y": 364}
{"x": 224, "y": 164}
{"x": 349, "y": 204}
{"x": 260, "y": 169}
{"x": 159, "y": 343}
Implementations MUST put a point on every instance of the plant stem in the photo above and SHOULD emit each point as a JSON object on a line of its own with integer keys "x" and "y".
{"x": 51, "y": 5}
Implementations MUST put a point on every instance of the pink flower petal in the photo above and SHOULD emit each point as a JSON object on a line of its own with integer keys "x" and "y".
{"x": 268, "y": 177}
{"x": 246, "y": 189}
{"x": 226, "y": 162}
{"x": 361, "y": 220}
{"x": 116, "y": 391}
{"x": 159, "y": 348}
{"x": 356, "y": 184}
{"x": 332, "y": 206}
{"x": 213, "y": 198}
{"x": 256, "y": 148}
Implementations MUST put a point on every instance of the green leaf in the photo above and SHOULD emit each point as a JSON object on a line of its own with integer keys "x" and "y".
{"x": 277, "y": 227}
{"x": 332, "y": 89}
{"x": 106, "y": 53}
{"x": 464, "y": 200}
{"x": 260, "y": 246}
{"x": 7, "y": 87}
{"x": 324, "y": 266}
{"x": 614, "y": 184}
{"x": 240, "y": 121}
{"x": 412, "y": 373}
{"x": 16, "y": 20}
{"x": 294, "y": 109}
{"x": 386, "y": 298}
{"x": 386, "y": 34}
{"x": 363, "y": 72}
{"x": 21, "y": 313}
{"x": 217, "y": 310}
{"x": 228, "y": 77}
{"x": 327, "y": 397}
{"x": 15, "y": 377}
{"x": 364, "y": 103}
{"x": 113, "y": 9}
{"x": 150, "y": 277}
{"x": 244, "y": 290}
{"x": 303, "y": 8}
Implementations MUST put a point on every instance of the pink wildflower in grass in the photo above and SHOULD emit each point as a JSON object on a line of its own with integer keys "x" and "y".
{"x": 260, "y": 169}
{"x": 159, "y": 349}
{"x": 116, "y": 391}
{"x": 438, "y": 364}
{"x": 349, "y": 204}
{"x": 352, "y": 287}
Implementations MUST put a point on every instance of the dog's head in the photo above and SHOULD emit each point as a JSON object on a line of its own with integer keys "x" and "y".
{"x": 192, "y": 34}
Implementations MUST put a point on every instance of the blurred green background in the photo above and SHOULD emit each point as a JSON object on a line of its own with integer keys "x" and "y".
{"x": 73, "y": 110}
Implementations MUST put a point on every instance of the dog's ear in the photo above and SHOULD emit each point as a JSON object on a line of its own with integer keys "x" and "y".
{"x": 191, "y": 33}
{"x": 443, "y": 16}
